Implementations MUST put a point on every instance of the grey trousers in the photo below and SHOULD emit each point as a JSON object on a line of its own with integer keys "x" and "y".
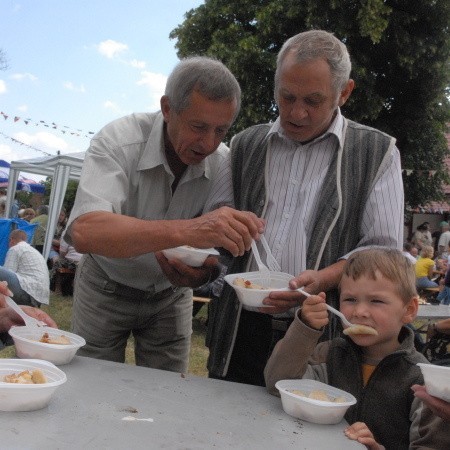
{"x": 106, "y": 314}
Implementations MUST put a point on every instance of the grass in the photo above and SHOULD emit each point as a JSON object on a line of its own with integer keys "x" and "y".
{"x": 60, "y": 309}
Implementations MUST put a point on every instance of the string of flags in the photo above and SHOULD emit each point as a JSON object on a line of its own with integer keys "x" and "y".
{"x": 76, "y": 132}
{"x": 26, "y": 145}
{"x": 62, "y": 128}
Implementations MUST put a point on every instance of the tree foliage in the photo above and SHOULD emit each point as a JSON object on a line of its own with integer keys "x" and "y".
{"x": 400, "y": 53}
{"x": 69, "y": 197}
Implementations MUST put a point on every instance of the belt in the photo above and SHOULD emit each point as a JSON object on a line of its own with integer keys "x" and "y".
{"x": 281, "y": 324}
{"x": 130, "y": 292}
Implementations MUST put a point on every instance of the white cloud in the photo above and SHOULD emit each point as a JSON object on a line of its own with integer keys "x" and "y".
{"x": 6, "y": 152}
{"x": 71, "y": 87}
{"x": 110, "y": 48}
{"x": 111, "y": 105}
{"x": 42, "y": 141}
{"x": 23, "y": 76}
{"x": 2, "y": 87}
{"x": 9, "y": 154}
{"x": 156, "y": 83}
{"x": 137, "y": 64}
{"x": 23, "y": 108}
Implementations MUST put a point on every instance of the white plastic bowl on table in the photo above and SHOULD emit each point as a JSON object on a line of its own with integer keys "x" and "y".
{"x": 437, "y": 380}
{"x": 194, "y": 257}
{"x": 28, "y": 397}
{"x": 311, "y": 410}
{"x": 254, "y": 297}
{"x": 26, "y": 340}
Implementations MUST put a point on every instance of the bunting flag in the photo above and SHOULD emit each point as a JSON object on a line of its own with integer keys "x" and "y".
{"x": 26, "y": 145}
{"x": 63, "y": 129}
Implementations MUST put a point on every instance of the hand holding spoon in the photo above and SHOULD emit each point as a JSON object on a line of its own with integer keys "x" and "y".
{"x": 351, "y": 328}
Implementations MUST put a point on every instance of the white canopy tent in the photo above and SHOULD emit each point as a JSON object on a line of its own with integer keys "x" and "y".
{"x": 61, "y": 168}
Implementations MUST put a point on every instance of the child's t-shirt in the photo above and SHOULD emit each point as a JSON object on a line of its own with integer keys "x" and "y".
{"x": 367, "y": 371}
{"x": 423, "y": 266}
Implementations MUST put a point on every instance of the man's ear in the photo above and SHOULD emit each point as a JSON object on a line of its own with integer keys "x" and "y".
{"x": 346, "y": 92}
{"x": 165, "y": 107}
{"x": 411, "y": 310}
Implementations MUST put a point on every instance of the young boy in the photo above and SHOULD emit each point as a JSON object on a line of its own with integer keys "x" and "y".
{"x": 378, "y": 290}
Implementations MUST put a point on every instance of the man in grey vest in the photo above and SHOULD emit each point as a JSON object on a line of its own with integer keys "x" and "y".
{"x": 325, "y": 185}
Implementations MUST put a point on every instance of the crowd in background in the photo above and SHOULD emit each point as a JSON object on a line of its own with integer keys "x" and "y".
{"x": 430, "y": 253}
{"x": 25, "y": 268}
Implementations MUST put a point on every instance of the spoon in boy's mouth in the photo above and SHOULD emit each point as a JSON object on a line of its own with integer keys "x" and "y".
{"x": 351, "y": 328}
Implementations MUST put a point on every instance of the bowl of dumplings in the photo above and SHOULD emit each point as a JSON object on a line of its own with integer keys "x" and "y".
{"x": 28, "y": 384}
{"x": 251, "y": 289}
{"x": 50, "y": 344}
{"x": 314, "y": 401}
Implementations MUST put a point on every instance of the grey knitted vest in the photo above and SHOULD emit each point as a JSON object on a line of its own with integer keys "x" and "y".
{"x": 360, "y": 162}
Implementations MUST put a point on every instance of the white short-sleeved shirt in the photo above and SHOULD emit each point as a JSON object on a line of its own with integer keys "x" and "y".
{"x": 125, "y": 171}
{"x": 31, "y": 270}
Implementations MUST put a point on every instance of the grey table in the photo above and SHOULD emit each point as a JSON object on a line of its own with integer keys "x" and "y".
{"x": 183, "y": 412}
{"x": 433, "y": 312}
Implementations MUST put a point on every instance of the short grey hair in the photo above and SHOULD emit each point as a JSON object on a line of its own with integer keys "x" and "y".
{"x": 205, "y": 75}
{"x": 315, "y": 44}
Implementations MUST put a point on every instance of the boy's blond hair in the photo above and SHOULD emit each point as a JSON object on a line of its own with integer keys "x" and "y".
{"x": 390, "y": 263}
{"x": 427, "y": 251}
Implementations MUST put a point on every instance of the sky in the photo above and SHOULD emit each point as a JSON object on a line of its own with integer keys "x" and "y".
{"x": 75, "y": 65}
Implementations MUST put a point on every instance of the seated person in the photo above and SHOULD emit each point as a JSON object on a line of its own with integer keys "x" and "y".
{"x": 56, "y": 241}
{"x": 25, "y": 271}
{"x": 2, "y": 206}
{"x": 41, "y": 220}
{"x": 377, "y": 290}
{"x": 9, "y": 318}
{"x": 424, "y": 268}
{"x": 441, "y": 326}
{"x": 410, "y": 252}
{"x": 68, "y": 259}
{"x": 68, "y": 256}
{"x": 28, "y": 214}
{"x": 444, "y": 295}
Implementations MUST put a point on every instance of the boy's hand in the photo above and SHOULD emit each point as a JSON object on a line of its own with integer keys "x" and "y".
{"x": 360, "y": 432}
{"x": 314, "y": 312}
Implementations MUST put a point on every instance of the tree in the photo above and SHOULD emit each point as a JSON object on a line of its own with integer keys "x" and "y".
{"x": 400, "y": 53}
{"x": 69, "y": 197}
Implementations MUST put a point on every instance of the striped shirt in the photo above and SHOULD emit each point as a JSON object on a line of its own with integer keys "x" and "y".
{"x": 295, "y": 174}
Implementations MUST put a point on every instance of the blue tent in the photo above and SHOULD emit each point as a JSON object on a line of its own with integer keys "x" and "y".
{"x": 6, "y": 226}
{"x": 23, "y": 184}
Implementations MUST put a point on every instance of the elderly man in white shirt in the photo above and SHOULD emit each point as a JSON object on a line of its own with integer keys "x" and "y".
{"x": 25, "y": 271}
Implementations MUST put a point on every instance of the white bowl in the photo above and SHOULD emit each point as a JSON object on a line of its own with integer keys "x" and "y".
{"x": 311, "y": 410}
{"x": 194, "y": 257}
{"x": 28, "y": 397}
{"x": 437, "y": 380}
{"x": 26, "y": 341}
{"x": 254, "y": 297}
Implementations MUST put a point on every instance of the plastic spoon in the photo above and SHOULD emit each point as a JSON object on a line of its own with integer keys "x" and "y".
{"x": 351, "y": 327}
{"x": 263, "y": 270}
{"x": 29, "y": 321}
